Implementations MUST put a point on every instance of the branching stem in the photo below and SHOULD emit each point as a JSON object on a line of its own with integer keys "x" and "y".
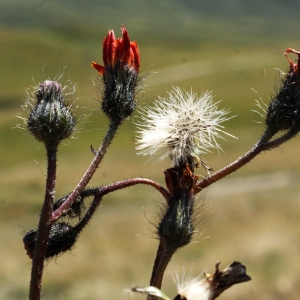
{"x": 90, "y": 171}
{"x": 100, "y": 192}
{"x": 263, "y": 144}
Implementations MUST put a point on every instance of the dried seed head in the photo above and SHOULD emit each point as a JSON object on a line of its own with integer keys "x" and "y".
{"x": 203, "y": 286}
{"x": 211, "y": 286}
{"x": 190, "y": 287}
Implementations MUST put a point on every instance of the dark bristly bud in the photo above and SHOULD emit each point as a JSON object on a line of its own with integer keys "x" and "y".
{"x": 284, "y": 109}
{"x": 176, "y": 227}
{"x": 50, "y": 119}
{"x": 119, "y": 93}
{"x": 62, "y": 238}
{"x": 121, "y": 59}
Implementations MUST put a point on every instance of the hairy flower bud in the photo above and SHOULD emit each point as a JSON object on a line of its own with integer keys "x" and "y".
{"x": 50, "y": 119}
{"x": 62, "y": 238}
{"x": 284, "y": 109}
{"x": 176, "y": 227}
{"x": 121, "y": 59}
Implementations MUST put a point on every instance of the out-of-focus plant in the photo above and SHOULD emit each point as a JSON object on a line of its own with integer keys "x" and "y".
{"x": 183, "y": 127}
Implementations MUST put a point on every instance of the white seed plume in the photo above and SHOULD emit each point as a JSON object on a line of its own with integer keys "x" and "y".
{"x": 182, "y": 126}
{"x": 203, "y": 286}
{"x": 192, "y": 288}
{"x": 188, "y": 287}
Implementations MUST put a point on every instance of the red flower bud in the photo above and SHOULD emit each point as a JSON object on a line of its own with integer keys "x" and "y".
{"x": 119, "y": 53}
{"x": 284, "y": 109}
{"x": 120, "y": 78}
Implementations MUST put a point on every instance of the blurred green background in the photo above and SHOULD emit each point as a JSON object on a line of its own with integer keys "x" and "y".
{"x": 233, "y": 48}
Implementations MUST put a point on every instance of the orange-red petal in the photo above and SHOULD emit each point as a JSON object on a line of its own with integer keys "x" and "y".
{"x": 119, "y": 51}
{"x": 136, "y": 55}
{"x": 124, "y": 47}
{"x": 110, "y": 49}
{"x": 99, "y": 68}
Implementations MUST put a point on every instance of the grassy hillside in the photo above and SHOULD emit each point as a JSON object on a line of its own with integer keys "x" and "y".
{"x": 227, "y": 48}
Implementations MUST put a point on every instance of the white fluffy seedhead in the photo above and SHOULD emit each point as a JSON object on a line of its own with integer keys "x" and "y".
{"x": 192, "y": 288}
{"x": 182, "y": 126}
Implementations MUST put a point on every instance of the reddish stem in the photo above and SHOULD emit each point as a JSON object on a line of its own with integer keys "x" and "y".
{"x": 162, "y": 259}
{"x": 99, "y": 193}
{"x": 263, "y": 144}
{"x": 44, "y": 227}
{"x": 234, "y": 166}
{"x": 134, "y": 181}
{"x": 90, "y": 171}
